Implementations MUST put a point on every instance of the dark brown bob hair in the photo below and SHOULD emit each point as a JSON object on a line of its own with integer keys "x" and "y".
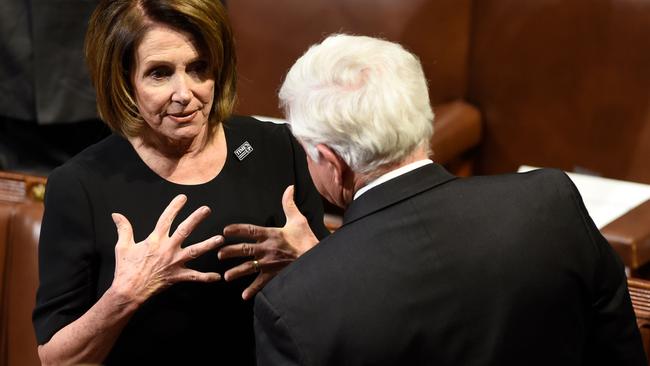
{"x": 117, "y": 27}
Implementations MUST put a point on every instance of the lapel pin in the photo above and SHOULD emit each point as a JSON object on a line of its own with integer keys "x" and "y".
{"x": 242, "y": 151}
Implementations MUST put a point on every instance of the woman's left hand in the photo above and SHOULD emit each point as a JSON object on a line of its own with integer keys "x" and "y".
{"x": 274, "y": 249}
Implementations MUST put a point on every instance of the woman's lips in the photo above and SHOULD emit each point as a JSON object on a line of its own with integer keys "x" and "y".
{"x": 182, "y": 118}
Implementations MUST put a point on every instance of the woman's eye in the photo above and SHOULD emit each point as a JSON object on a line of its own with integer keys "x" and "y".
{"x": 198, "y": 68}
{"x": 159, "y": 73}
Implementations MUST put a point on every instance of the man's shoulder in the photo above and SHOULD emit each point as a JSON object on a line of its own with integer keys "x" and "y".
{"x": 505, "y": 195}
{"x": 537, "y": 184}
{"x": 533, "y": 177}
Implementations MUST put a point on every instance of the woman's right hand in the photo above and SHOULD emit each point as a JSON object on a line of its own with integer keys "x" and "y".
{"x": 146, "y": 268}
{"x": 141, "y": 270}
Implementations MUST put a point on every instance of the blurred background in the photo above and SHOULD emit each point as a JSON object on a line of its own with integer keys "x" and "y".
{"x": 556, "y": 83}
{"x": 547, "y": 83}
{"x": 47, "y": 108}
{"x": 551, "y": 83}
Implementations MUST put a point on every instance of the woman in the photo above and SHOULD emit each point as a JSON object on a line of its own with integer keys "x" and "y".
{"x": 164, "y": 71}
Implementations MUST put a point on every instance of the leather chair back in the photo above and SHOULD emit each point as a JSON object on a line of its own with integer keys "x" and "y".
{"x": 20, "y": 224}
{"x": 272, "y": 34}
{"x": 563, "y": 84}
{"x": 21, "y": 211}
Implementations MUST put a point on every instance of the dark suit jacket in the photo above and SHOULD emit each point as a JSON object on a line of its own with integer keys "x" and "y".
{"x": 428, "y": 269}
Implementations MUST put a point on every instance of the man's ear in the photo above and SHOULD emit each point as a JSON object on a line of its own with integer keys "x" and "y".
{"x": 339, "y": 167}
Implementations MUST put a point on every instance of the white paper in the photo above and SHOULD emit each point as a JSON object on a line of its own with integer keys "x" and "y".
{"x": 606, "y": 199}
{"x": 275, "y": 120}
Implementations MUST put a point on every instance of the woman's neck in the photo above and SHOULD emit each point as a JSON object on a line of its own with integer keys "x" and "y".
{"x": 190, "y": 162}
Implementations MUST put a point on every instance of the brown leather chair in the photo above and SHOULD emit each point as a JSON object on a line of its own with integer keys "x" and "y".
{"x": 564, "y": 84}
{"x": 561, "y": 84}
{"x": 271, "y": 35}
{"x": 21, "y": 280}
{"x": 640, "y": 294}
{"x": 21, "y": 211}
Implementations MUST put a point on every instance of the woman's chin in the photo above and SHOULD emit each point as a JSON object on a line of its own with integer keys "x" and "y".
{"x": 186, "y": 130}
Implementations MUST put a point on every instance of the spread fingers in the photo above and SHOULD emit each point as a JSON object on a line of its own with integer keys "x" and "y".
{"x": 198, "y": 249}
{"x": 246, "y": 231}
{"x": 187, "y": 226}
{"x": 257, "y": 285}
{"x": 190, "y": 275}
{"x": 169, "y": 214}
{"x": 244, "y": 269}
{"x": 239, "y": 250}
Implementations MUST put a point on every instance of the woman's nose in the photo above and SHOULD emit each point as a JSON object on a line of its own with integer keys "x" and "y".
{"x": 182, "y": 93}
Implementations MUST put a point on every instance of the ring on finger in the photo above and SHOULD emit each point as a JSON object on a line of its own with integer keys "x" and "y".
{"x": 256, "y": 265}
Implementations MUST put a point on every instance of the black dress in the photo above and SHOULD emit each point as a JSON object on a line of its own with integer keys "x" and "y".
{"x": 188, "y": 323}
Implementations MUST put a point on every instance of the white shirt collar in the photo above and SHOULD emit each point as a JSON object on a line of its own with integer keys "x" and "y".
{"x": 391, "y": 175}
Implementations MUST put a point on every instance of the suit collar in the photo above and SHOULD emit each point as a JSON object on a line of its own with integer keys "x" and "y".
{"x": 396, "y": 190}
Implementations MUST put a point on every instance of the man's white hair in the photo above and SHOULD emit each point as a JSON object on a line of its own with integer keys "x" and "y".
{"x": 366, "y": 98}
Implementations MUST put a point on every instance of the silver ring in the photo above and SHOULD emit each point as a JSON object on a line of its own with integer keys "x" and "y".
{"x": 256, "y": 265}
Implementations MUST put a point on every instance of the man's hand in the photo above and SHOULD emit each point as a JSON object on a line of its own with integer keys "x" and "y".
{"x": 274, "y": 248}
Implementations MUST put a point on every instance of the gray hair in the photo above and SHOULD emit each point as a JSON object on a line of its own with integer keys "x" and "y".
{"x": 366, "y": 98}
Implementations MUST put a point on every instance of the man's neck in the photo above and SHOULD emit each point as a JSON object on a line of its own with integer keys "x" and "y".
{"x": 362, "y": 180}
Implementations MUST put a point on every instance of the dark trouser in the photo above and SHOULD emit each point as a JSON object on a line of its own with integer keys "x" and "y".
{"x": 37, "y": 149}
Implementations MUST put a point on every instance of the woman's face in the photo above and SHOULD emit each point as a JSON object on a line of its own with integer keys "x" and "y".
{"x": 174, "y": 89}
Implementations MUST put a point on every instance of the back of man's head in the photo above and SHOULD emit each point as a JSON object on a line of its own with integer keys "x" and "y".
{"x": 364, "y": 97}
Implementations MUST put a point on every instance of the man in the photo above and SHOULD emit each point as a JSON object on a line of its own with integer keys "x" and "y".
{"x": 47, "y": 113}
{"x": 430, "y": 269}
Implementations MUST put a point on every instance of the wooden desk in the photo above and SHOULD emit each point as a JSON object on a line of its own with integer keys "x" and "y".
{"x": 629, "y": 235}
